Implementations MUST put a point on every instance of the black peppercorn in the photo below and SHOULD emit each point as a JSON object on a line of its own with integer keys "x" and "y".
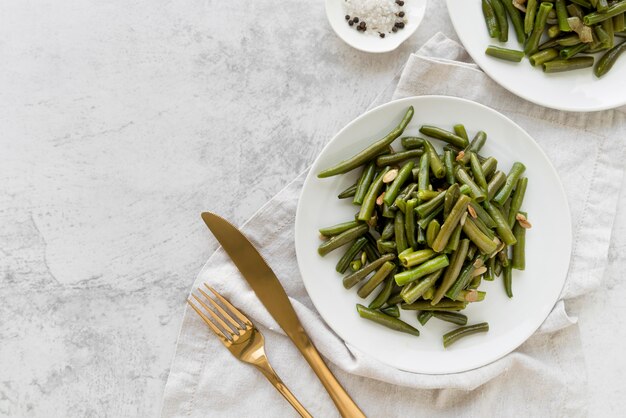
{"x": 401, "y": 14}
{"x": 382, "y": 35}
{"x": 356, "y": 20}
{"x": 400, "y": 3}
{"x": 394, "y": 29}
{"x": 347, "y": 17}
{"x": 350, "y": 22}
{"x": 400, "y": 25}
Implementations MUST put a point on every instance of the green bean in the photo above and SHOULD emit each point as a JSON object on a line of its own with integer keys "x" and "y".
{"x": 482, "y": 215}
{"x": 503, "y": 257}
{"x": 424, "y": 316}
{"x": 476, "y": 192}
{"x": 422, "y": 270}
{"x": 619, "y": 22}
{"x": 425, "y": 305}
{"x": 352, "y": 279}
{"x": 608, "y": 60}
{"x": 452, "y": 317}
{"x": 386, "y": 320}
{"x": 516, "y": 19}
{"x": 518, "y": 258}
{"x": 529, "y": 18}
{"x": 502, "y": 226}
{"x": 455, "y": 335}
{"x": 553, "y": 31}
{"x": 532, "y": 43}
{"x": 421, "y": 235}
{"x": 448, "y": 162}
{"x": 344, "y": 262}
{"x": 497, "y": 270}
{"x": 398, "y": 157}
{"x": 450, "y": 223}
{"x": 504, "y": 53}
{"x": 503, "y": 23}
{"x": 371, "y": 251}
{"x": 399, "y": 232}
{"x": 436, "y": 165}
{"x": 444, "y": 135}
{"x": 387, "y": 231}
{"x": 432, "y": 231}
{"x": 571, "y": 51}
{"x": 349, "y": 192}
{"x": 489, "y": 166}
{"x": 471, "y": 296}
{"x": 541, "y": 57}
{"x": 562, "y": 15}
{"x": 490, "y": 20}
{"x": 392, "y": 311}
{"x": 394, "y": 188}
{"x": 451, "y": 196}
{"x": 477, "y": 143}
{"x": 369, "y": 202}
{"x": 429, "y": 207}
{"x": 482, "y": 241}
{"x": 423, "y": 223}
{"x": 412, "y": 291}
{"x": 463, "y": 279}
{"x": 355, "y": 265}
{"x": 550, "y": 43}
{"x": 414, "y": 258}
{"x": 385, "y": 247}
{"x": 475, "y": 282}
{"x": 568, "y": 40}
{"x": 517, "y": 199}
{"x": 483, "y": 228}
{"x": 370, "y": 152}
{"x": 602, "y": 6}
{"x": 452, "y": 272}
{"x": 511, "y": 180}
{"x": 495, "y": 184}
{"x": 394, "y": 299}
{"x": 453, "y": 242}
{"x": 428, "y": 293}
{"x": 384, "y": 293}
{"x": 412, "y": 142}
{"x": 575, "y": 10}
{"x": 363, "y": 257}
{"x": 459, "y": 129}
{"x": 507, "y": 280}
{"x": 571, "y": 64}
{"x": 364, "y": 183}
{"x": 424, "y": 195}
{"x": 376, "y": 279}
{"x": 409, "y": 223}
{"x": 337, "y": 229}
{"x": 471, "y": 251}
{"x": 477, "y": 171}
{"x": 583, "y": 3}
{"x": 342, "y": 239}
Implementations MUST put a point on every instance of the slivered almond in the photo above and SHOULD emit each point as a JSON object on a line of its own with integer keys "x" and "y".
{"x": 463, "y": 218}
{"x": 479, "y": 271}
{"x": 519, "y": 5}
{"x": 471, "y": 296}
{"x": 523, "y": 221}
{"x": 379, "y": 199}
{"x": 460, "y": 156}
{"x": 372, "y": 221}
{"x": 390, "y": 176}
{"x": 478, "y": 263}
{"x": 472, "y": 212}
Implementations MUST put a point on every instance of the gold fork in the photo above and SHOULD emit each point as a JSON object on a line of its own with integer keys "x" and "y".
{"x": 243, "y": 340}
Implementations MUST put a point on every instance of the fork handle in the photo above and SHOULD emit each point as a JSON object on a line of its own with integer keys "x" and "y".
{"x": 271, "y": 375}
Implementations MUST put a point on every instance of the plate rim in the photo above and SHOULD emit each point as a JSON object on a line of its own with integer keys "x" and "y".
{"x": 568, "y": 234}
{"x": 520, "y": 93}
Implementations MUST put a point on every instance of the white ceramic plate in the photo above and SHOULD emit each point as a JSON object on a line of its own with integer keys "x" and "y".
{"x": 576, "y": 91}
{"x": 335, "y": 11}
{"x": 511, "y": 321}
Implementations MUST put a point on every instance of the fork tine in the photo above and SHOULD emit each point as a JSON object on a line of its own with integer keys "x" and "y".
{"x": 211, "y": 325}
{"x": 221, "y": 310}
{"x": 215, "y": 316}
{"x": 234, "y": 310}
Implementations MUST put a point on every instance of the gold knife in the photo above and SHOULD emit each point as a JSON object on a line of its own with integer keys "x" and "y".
{"x": 267, "y": 287}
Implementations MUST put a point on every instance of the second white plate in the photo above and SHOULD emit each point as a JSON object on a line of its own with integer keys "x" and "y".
{"x": 576, "y": 91}
{"x": 512, "y": 321}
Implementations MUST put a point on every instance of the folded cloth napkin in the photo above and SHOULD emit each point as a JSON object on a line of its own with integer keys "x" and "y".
{"x": 546, "y": 376}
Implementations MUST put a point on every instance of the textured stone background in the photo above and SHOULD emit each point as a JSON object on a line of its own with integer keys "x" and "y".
{"x": 120, "y": 122}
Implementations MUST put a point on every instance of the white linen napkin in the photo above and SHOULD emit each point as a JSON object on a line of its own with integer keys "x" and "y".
{"x": 546, "y": 376}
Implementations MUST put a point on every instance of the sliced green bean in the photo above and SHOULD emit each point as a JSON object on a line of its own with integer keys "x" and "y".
{"x": 490, "y": 20}
{"x": 517, "y": 199}
{"x": 496, "y": 183}
{"x": 568, "y": 40}
{"x": 369, "y": 202}
{"x": 414, "y": 258}
{"x": 444, "y": 135}
{"x": 429, "y": 207}
{"x": 540, "y": 57}
{"x": 423, "y": 223}
{"x": 344, "y": 262}
{"x": 532, "y": 43}
{"x": 450, "y": 223}
{"x": 386, "y": 320}
{"x": 412, "y": 291}
{"x": 451, "y": 196}
{"x": 399, "y": 232}
{"x": 364, "y": 183}
{"x": 349, "y": 192}
{"x": 392, "y": 311}
{"x": 571, "y": 64}
{"x": 477, "y": 143}
{"x": 502, "y": 226}
{"x": 511, "y": 180}
{"x": 424, "y": 316}
{"x": 385, "y": 247}
{"x": 508, "y": 280}
{"x": 424, "y": 195}
{"x": 452, "y": 317}
{"x": 454, "y": 335}
{"x": 483, "y": 215}
{"x": 476, "y": 192}
{"x": 516, "y": 20}
{"x": 503, "y": 22}
{"x": 452, "y": 272}
{"x": 463, "y": 279}
{"x": 562, "y": 15}
{"x": 504, "y": 53}
{"x": 459, "y": 129}
{"x": 619, "y": 22}
{"x": 370, "y": 152}
{"x": 608, "y": 60}
{"x": 477, "y": 171}
{"x": 489, "y": 166}
{"x": 384, "y": 293}
{"x": 387, "y": 231}
{"x": 453, "y": 242}
{"x": 431, "y": 232}
{"x": 396, "y": 185}
{"x": 352, "y": 279}
{"x": 482, "y": 241}
{"x": 378, "y": 277}
{"x": 412, "y": 142}
{"x": 436, "y": 165}
{"x": 342, "y": 239}
{"x": 422, "y": 270}
{"x": 529, "y": 17}
{"x": 409, "y": 223}
{"x": 425, "y": 305}
{"x": 398, "y": 157}
{"x": 355, "y": 265}
{"x": 518, "y": 258}
{"x": 571, "y": 51}
{"x": 448, "y": 162}
{"x": 613, "y": 10}
{"x": 339, "y": 228}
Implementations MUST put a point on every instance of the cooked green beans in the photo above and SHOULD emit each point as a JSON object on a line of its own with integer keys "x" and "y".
{"x": 529, "y": 17}
{"x": 571, "y": 64}
{"x": 490, "y": 20}
{"x": 610, "y": 12}
{"x": 503, "y": 23}
{"x": 608, "y": 60}
{"x": 442, "y": 225}
{"x": 455, "y": 335}
{"x": 508, "y": 280}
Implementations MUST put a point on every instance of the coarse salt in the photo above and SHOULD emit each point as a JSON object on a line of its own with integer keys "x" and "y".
{"x": 380, "y": 16}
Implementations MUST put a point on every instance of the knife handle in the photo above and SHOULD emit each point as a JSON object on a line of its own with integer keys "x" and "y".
{"x": 344, "y": 403}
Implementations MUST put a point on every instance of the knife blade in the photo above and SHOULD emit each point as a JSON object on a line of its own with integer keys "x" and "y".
{"x": 271, "y": 293}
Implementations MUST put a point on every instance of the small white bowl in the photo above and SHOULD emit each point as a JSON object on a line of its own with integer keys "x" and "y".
{"x": 414, "y": 13}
